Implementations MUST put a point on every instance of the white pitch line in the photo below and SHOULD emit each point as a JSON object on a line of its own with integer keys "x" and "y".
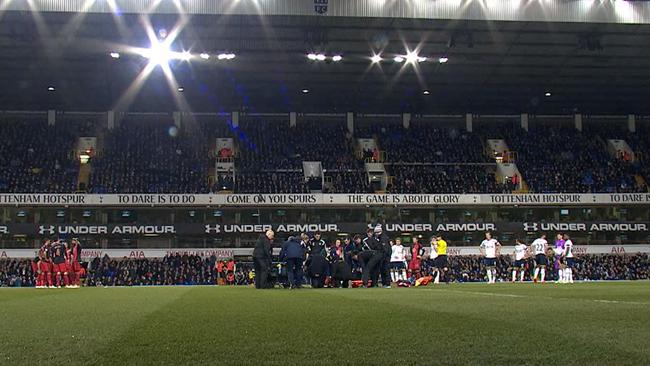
{"x": 549, "y": 297}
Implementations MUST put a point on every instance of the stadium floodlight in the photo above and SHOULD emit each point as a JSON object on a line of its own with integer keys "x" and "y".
{"x": 180, "y": 89}
{"x": 375, "y": 59}
{"x": 398, "y": 59}
{"x": 337, "y": 58}
{"x": 225, "y": 56}
{"x": 421, "y": 59}
{"x": 305, "y": 91}
{"x": 115, "y": 55}
{"x": 311, "y": 56}
{"x": 426, "y": 92}
{"x": 186, "y": 56}
{"x": 547, "y": 94}
{"x": 411, "y": 57}
{"x": 443, "y": 60}
{"x": 204, "y": 56}
{"x": 158, "y": 54}
{"x": 320, "y": 57}
{"x": 51, "y": 88}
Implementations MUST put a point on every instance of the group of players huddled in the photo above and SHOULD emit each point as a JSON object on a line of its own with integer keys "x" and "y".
{"x": 377, "y": 259}
{"x": 58, "y": 264}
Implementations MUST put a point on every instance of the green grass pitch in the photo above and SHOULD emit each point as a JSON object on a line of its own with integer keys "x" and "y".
{"x": 477, "y": 324}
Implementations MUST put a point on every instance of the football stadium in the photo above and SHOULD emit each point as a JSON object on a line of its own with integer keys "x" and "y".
{"x": 347, "y": 182}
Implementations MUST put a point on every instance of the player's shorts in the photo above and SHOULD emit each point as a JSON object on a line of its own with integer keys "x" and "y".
{"x": 68, "y": 267}
{"x": 76, "y": 266}
{"x": 59, "y": 267}
{"x": 441, "y": 261}
{"x": 44, "y": 267}
{"x": 520, "y": 263}
{"x": 397, "y": 265}
{"x": 490, "y": 262}
{"x": 541, "y": 259}
{"x": 570, "y": 262}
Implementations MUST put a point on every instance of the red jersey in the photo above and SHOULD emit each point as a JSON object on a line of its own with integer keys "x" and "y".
{"x": 75, "y": 253}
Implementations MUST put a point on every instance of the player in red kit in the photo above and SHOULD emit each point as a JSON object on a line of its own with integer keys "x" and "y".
{"x": 45, "y": 265}
{"x": 58, "y": 263}
{"x": 74, "y": 258}
{"x": 35, "y": 271}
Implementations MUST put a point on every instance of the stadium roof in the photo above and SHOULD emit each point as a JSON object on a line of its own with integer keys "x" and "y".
{"x": 492, "y": 67}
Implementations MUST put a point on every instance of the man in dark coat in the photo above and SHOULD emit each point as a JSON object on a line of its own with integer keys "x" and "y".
{"x": 293, "y": 254}
{"x": 262, "y": 256}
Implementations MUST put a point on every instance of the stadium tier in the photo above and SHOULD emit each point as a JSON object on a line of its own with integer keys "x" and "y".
{"x": 156, "y": 155}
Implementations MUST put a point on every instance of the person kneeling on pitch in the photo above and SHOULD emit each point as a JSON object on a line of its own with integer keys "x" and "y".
{"x": 293, "y": 254}
{"x": 317, "y": 269}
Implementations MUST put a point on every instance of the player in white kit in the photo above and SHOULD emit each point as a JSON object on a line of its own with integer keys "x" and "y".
{"x": 490, "y": 250}
{"x": 398, "y": 261}
{"x": 520, "y": 254}
{"x": 568, "y": 257}
{"x": 433, "y": 256}
{"x": 540, "y": 246}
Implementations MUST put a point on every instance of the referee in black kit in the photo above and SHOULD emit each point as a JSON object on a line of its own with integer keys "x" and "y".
{"x": 262, "y": 256}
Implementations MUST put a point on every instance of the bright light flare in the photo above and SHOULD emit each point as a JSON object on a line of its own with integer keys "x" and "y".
{"x": 375, "y": 58}
{"x": 398, "y": 59}
{"x": 412, "y": 57}
{"x": 443, "y": 60}
{"x": 320, "y": 57}
{"x": 337, "y": 58}
{"x": 204, "y": 56}
{"x": 115, "y": 55}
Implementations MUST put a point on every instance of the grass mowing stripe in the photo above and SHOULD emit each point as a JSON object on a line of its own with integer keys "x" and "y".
{"x": 68, "y": 326}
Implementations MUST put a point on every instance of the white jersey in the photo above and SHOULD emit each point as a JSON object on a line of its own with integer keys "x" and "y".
{"x": 520, "y": 251}
{"x": 568, "y": 248}
{"x": 397, "y": 254}
{"x": 539, "y": 246}
{"x": 490, "y": 248}
{"x": 433, "y": 253}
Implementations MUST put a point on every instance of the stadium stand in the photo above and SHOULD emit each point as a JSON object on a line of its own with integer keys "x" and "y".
{"x": 563, "y": 159}
{"x": 151, "y": 157}
{"x": 36, "y": 157}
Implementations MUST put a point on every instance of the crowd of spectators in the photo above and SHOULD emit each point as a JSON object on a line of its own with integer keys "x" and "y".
{"x": 443, "y": 179}
{"x": 271, "y": 182}
{"x": 426, "y": 143}
{"x": 193, "y": 270}
{"x": 347, "y": 182}
{"x": 37, "y": 157}
{"x": 175, "y": 269}
{"x": 274, "y": 145}
{"x": 151, "y": 157}
{"x": 563, "y": 159}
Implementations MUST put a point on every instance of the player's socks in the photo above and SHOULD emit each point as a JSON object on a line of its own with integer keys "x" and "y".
{"x": 437, "y": 278}
{"x": 489, "y": 274}
{"x": 66, "y": 280}
{"x": 542, "y": 273}
{"x": 521, "y": 276}
{"x": 514, "y": 275}
{"x": 494, "y": 275}
{"x": 403, "y": 275}
{"x": 393, "y": 277}
{"x": 536, "y": 273}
